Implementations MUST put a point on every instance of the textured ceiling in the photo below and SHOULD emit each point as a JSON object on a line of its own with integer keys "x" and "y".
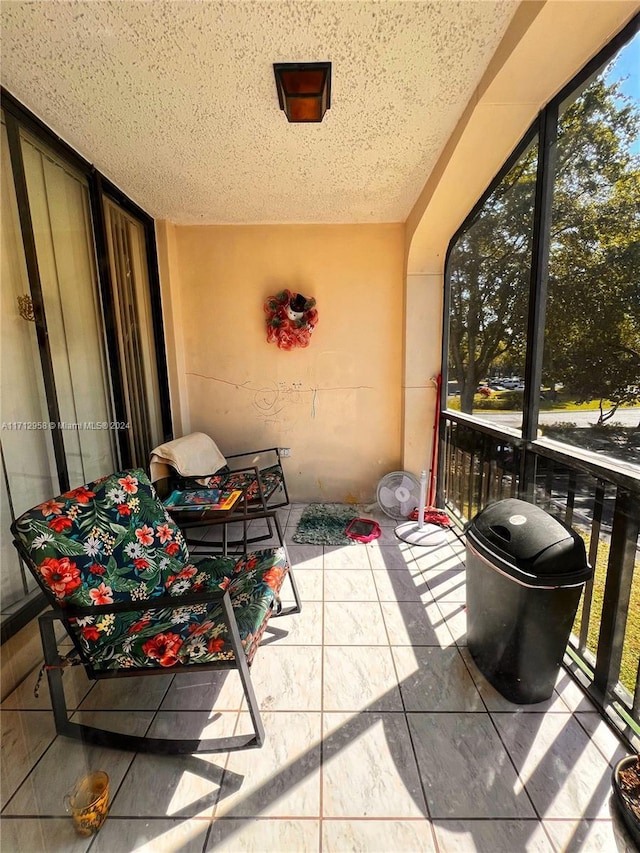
{"x": 176, "y": 102}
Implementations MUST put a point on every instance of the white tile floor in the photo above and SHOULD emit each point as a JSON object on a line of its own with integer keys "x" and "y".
{"x": 382, "y": 735}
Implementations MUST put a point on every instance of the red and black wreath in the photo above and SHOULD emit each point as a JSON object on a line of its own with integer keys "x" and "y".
{"x": 291, "y": 318}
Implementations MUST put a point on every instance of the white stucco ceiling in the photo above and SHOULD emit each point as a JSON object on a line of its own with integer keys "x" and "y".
{"x": 176, "y": 102}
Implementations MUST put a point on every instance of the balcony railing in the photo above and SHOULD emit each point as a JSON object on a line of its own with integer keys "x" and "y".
{"x": 480, "y": 464}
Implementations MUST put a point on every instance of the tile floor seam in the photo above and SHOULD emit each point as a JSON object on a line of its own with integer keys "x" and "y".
{"x": 427, "y": 815}
{"x": 592, "y": 740}
{"x": 207, "y": 834}
{"x": 211, "y": 820}
{"x": 322, "y": 713}
{"x": 512, "y": 760}
{"x": 28, "y": 773}
{"x": 227, "y": 756}
{"x": 468, "y": 668}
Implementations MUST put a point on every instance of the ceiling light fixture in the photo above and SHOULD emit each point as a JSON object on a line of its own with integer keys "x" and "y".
{"x": 304, "y": 89}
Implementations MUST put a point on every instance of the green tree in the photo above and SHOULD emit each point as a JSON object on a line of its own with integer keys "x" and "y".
{"x": 489, "y": 272}
{"x": 592, "y": 334}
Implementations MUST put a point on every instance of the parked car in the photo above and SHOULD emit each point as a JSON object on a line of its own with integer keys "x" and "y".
{"x": 511, "y": 383}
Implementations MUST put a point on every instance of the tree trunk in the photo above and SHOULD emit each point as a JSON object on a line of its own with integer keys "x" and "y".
{"x": 466, "y": 398}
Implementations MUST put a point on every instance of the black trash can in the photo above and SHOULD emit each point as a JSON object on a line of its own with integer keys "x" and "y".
{"x": 525, "y": 574}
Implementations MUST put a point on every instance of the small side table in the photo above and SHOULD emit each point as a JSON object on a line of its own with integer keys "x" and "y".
{"x": 187, "y": 519}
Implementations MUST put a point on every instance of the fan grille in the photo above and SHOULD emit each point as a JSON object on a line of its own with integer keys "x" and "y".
{"x": 398, "y": 494}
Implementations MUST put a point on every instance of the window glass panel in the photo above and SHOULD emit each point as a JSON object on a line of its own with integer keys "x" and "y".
{"x": 134, "y": 325}
{"x": 59, "y": 205}
{"x": 489, "y": 272}
{"x": 591, "y": 365}
{"x": 29, "y": 472}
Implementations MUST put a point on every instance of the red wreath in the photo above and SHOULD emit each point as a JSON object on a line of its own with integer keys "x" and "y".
{"x": 291, "y": 318}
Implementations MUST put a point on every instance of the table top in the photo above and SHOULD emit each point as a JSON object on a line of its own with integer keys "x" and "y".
{"x": 196, "y": 500}
{"x": 194, "y": 515}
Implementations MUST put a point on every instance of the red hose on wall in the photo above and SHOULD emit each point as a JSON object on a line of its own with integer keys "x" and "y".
{"x": 434, "y": 448}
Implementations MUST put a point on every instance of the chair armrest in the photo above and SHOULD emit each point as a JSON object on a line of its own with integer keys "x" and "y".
{"x": 194, "y": 477}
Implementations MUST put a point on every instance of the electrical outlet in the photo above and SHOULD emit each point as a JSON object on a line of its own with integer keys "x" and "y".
{"x": 285, "y": 452}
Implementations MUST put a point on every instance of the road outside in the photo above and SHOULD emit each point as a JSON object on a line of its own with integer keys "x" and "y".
{"x": 628, "y": 417}
{"x": 583, "y": 509}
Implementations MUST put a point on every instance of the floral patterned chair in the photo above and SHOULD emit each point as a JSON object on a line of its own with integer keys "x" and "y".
{"x": 119, "y": 577}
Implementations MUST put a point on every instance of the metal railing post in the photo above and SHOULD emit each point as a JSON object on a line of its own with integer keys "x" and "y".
{"x": 617, "y": 591}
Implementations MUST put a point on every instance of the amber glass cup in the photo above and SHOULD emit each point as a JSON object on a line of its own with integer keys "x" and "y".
{"x": 88, "y": 802}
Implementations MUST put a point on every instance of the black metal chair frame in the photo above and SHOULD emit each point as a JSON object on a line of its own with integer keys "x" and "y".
{"x": 248, "y": 513}
{"x": 266, "y": 507}
{"x": 54, "y": 666}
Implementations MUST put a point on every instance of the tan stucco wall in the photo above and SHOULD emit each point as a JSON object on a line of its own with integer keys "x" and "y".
{"x": 361, "y": 400}
{"x": 544, "y": 47}
{"x": 337, "y": 403}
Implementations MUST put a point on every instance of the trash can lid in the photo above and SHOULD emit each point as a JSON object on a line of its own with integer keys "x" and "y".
{"x": 531, "y": 544}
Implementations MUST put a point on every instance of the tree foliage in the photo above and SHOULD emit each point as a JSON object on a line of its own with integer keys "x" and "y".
{"x": 592, "y": 331}
{"x": 489, "y": 280}
{"x": 592, "y": 334}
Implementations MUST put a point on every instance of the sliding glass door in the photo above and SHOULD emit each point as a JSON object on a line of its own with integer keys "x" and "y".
{"x": 127, "y": 254}
{"x": 59, "y": 205}
{"x": 29, "y": 471}
{"x": 83, "y": 382}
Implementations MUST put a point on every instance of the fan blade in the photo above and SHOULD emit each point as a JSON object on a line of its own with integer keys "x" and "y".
{"x": 408, "y": 484}
{"x": 395, "y": 492}
{"x": 408, "y": 506}
{"x": 387, "y": 495}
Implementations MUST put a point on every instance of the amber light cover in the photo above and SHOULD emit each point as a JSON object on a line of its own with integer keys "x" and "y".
{"x": 304, "y": 90}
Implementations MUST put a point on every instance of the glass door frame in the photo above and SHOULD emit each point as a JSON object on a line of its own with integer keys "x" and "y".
{"x": 18, "y": 117}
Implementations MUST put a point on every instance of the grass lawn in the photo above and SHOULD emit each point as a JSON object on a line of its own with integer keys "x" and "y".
{"x": 631, "y": 648}
{"x": 511, "y": 401}
{"x": 570, "y": 406}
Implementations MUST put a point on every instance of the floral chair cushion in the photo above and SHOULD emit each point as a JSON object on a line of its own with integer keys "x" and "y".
{"x": 111, "y": 540}
{"x": 270, "y": 480}
{"x": 194, "y": 634}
